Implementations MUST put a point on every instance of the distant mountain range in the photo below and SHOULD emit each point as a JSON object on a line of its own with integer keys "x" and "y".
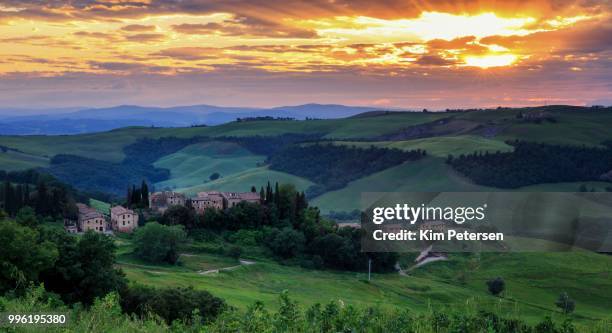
{"x": 87, "y": 120}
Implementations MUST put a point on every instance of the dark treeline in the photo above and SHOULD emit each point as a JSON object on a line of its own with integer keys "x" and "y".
{"x": 146, "y": 151}
{"x": 94, "y": 175}
{"x": 534, "y": 163}
{"x": 263, "y": 118}
{"x": 333, "y": 166}
{"x": 42, "y": 192}
{"x": 291, "y": 229}
{"x": 270, "y": 145}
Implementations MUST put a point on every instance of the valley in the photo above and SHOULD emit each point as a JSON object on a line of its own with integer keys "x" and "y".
{"x": 236, "y": 156}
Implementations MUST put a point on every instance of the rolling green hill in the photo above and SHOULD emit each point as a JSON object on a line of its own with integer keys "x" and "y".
{"x": 439, "y": 146}
{"x": 108, "y": 145}
{"x": 191, "y": 167}
{"x": 573, "y": 125}
{"x": 533, "y": 282}
{"x": 194, "y": 164}
{"x": 243, "y": 181}
{"x": 13, "y": 161}
{"x": 427, "y": 175}
{"x": 455, "y": 133}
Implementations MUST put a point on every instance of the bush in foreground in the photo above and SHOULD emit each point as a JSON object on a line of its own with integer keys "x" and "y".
{"x": 172, "y": 304}
{"x": 105, "y": 315}
{"x": 158, "y": 243}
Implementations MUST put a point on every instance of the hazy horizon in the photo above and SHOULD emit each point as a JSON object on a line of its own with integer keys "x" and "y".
{"x": 7, "y": 111}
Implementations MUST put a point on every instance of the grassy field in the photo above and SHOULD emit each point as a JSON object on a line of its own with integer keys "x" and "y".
{"x": 243, "y": 181}
{"x": 427, "y": 175}
{"x": 193, "y": 165}
{"x": 572, "y": 126}
{"x": 108, "y": 146}
{"x": 534, "y": 280}
{"x": 440, "y": 146}
{"x": 14, "y": 161}
{"x": 100, "y": 206}
{"x": 589, "y": 127}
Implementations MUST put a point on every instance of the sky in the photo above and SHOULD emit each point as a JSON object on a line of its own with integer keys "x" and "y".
{"x": 409, "y": 54}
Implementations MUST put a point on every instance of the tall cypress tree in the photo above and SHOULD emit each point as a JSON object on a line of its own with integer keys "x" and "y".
{"x": 9, "y": 198}
{"x": 129, "y": 197}
{"x": 269, "y": 195}
{"x": 18, "y": 201}
{"x": 135, "y": 195}
{"x": 42, "y": 199}
{"x": 144, "y": 189}
{"x": 26, "y": 194}
{"x": 276, "y": 195}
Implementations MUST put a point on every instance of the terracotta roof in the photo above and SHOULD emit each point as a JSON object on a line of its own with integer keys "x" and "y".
{"x": 87, "y": 213}
{"x": 119, "y": 210}
{"x": 249, "y": 196}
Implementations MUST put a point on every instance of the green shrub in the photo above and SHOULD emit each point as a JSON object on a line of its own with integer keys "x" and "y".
{"x": 172, "y": 303}
{"x": 565, "y": 303}
{"x": 496, "y": 286}
{"x": 234, "y": 251}
{"x": 158, "y": 243}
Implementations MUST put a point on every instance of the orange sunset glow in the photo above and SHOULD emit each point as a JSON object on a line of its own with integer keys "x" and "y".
{"x": 433, "y": 54}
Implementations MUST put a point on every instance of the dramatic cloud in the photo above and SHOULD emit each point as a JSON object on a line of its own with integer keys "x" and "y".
{"x": 420, "y": 53}
{"x": 138, "y": 28}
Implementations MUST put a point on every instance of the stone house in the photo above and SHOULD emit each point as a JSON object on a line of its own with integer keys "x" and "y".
{"x": 206, "y": 200}
{"x": 160, "y": 201}
{"x": 233, "y": 198}
{"x": 90, "y": 219}
{"x": 123, "y": 219}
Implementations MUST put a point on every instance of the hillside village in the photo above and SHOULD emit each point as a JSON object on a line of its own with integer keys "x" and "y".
{"x": 122, "y": 219}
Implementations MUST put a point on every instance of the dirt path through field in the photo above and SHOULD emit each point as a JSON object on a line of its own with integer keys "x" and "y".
{"x": 242, "y": 263}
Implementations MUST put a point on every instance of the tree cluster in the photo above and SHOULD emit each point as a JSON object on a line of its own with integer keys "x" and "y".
{"x": 47, "y": 196}
{"x": 158, "y": 243}
{"x": 81, "y": 270}
{"x": 270, "y": 145}
{"x": 333, "y": 166}
{"x": 534, "y": 163}
{"x": 171, "y": 303}
{"x": 77, "y": 269}
{"x": 84, "y": 269}
{"x": 146, "y": 151}
{"x": 288, "y": 227}
{"x": 138, "y": 197}
{"x": 95, "y": 175}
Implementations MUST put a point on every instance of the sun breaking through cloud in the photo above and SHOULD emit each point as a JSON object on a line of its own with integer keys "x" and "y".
{"x": 349, "y": 43}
